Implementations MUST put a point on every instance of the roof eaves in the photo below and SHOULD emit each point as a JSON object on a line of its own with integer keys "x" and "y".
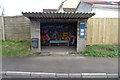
{"x": 60, "y": 15}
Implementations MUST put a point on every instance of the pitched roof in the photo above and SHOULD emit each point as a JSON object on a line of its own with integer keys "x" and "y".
{"x": 68, "y": 4}
{"x": 102, "y": 2}
{"x": 69, "y": 9}
{"x": 49, "y": 10}
{"x": 99, "y": 3}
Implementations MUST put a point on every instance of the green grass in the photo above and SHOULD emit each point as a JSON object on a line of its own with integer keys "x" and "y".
{"x": 101, "y": 51}
{"x": 0, "y": 47}
{"x": 16, "y": 48}
{"x": 22, "y": 48}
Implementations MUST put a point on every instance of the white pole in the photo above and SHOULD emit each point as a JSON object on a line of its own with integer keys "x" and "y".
{"x": 3, "y": 25}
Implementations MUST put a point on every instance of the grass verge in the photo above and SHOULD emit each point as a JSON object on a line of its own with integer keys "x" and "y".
{"x": 16, "y": 48}
{"x": 101, "y": 51}
{"x": 22, "y": 48}
{"x": 0, "y": 48}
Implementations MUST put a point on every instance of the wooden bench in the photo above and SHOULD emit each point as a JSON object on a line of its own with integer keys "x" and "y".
{"x": 58, "y": 41}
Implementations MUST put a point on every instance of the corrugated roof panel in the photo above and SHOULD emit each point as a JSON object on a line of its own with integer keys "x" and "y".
{"x": 66, "y": 16}
{"x": 47, "y": 15}
{"x": 59, "y": 15}
{"x": 84, "y": 15}
{"x": 62, "y": 15}
{"x": 50, "y": 15}
{"x": 71, "y": 14}
{"x": 56, "y": 15}
{"x": 44, "y": 15}
{"x": 87, "y": 15}
{"x": 77, "y": 15}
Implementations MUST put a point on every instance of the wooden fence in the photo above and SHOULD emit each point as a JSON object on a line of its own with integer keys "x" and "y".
{"x": 102, "y": 31}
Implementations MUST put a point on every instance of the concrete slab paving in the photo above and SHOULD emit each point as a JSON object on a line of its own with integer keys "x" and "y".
{"x": 75, "y": 75}
{"x": 94, "y": 75}
{"x": 48, "y": 75}
{"x": 62, "y": 75}
{"x": 112, "y": 76}
{"x": 58, "y": 75}
{"x": 15, "y": 73}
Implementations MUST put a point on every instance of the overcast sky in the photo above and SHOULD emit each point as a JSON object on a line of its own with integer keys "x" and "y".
{"x": 15, "y": 7}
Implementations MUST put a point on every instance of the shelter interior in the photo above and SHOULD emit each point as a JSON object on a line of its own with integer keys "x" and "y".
{"x": 61, "y": 36}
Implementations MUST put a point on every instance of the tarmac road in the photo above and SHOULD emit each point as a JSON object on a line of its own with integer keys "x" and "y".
{"x": 62, "y": 64}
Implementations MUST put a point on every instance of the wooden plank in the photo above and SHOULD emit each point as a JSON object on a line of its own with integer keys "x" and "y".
{"x": 115, "y": 31}
{"x": 102, "y": 31}
{"x": 99, "y": 44}
{"x": 96, "y": 35}
{"x": 89, "y": 29}
{"x": 92, "y": 36}
{"x": 108, "y": 29}
{"x": 103, "y": 39}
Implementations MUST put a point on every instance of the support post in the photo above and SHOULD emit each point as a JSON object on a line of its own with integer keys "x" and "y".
{"x": 3, "y": 25}
{"x": 35, "y": 33}
{"x": 81, "y": 42}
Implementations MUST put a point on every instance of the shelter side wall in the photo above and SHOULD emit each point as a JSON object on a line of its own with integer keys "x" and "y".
{"x": 35, "y": 33}
{"x": 81, "y": 42}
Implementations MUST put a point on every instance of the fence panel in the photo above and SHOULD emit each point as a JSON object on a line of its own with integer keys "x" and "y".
{"x": 102, "y": 31}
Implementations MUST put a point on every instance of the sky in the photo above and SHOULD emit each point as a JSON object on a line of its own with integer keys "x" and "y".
{"x": 15, "y": 7}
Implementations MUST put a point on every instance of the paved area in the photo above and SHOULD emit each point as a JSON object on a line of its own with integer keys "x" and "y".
{"x": 61, "y": 64}
{"x": 58, "y": 49}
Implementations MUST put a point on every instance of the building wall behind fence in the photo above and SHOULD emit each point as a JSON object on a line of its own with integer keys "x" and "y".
{"x": 102, "y": 31}
{"x": 17, "y": 28}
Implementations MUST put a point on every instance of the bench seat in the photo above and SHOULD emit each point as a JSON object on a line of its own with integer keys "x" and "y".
{"x": 58, "y": 41}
